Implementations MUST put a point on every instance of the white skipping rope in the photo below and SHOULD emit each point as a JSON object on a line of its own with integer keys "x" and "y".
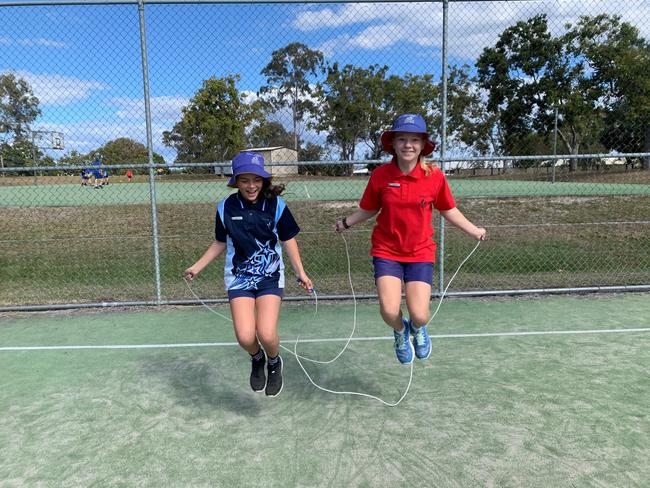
{"x": 349, "y": 339}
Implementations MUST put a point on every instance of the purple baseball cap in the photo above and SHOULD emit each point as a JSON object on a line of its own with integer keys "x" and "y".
{"x": 247, "y": 162}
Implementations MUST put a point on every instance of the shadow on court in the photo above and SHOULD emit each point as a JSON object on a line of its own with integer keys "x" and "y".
{"x": 202, "y": 384}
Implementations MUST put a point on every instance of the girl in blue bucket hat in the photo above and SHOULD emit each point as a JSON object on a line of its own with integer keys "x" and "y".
{"x": 252, "y": 225}
{"x": 403, "y": 194}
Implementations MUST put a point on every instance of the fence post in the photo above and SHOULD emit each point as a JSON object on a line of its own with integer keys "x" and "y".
{"x": 152, "y": 179}
{"x": 554, "y": 147}
{"x": 443, "y": 142}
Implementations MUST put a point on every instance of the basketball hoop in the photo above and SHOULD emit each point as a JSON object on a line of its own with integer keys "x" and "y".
{"x": 48, "y": 139}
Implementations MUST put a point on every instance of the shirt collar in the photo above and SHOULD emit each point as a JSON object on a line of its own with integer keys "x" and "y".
{"x": 260, "y": 204}
{"x": 395, "y": 172}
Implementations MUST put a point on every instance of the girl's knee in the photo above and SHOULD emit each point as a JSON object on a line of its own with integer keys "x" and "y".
{"x": 268, "y": 338}
{"x": 246, "y": 341}
{"x": 418, "y": 320}
{"x": 390, "y": 315}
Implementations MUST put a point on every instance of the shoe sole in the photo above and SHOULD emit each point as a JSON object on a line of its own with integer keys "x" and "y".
{"x": 425, "y": 357}
{"x": 281, "y": 386}
{"x": 261, "y": 390}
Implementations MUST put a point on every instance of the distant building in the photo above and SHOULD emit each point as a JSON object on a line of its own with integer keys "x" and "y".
{"x": 275, "y": 159}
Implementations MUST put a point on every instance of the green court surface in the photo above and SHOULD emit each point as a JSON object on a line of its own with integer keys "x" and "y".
{"x": 529, "y": 392}
{"x": 343, "y": 189}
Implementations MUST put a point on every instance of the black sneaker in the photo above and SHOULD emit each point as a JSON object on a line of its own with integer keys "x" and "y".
{"x": 258, "y": 378}
{"x": 274, "y": 383}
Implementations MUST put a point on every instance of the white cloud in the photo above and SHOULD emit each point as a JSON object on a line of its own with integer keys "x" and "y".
{"x": 349, "y": 14}
{"x": 41, "y": 42}
{"x": 249, "y": 96}
{"x": 165, "y": 108}
{"x": 472, "y": 25}
{"x": 60, "y": 90}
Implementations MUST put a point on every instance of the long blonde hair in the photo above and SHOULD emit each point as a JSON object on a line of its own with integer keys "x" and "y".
{"x": 427, "y": 166}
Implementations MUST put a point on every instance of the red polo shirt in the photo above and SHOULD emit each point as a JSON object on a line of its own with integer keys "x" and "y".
{"x": 404, "y": 231}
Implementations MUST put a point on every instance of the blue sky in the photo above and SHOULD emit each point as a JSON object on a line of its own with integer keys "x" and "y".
{"x": 83, "y": 62}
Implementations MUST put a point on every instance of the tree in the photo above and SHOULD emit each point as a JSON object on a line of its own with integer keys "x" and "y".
{"x": 21, "y": 152}
{"x": 313, "y": 152}
{"x": 73, "y": 158}
{"x": 346, "y": 106}
{"x": 269, "y": 133}
{"x": 358, "y": 104}
{"x": 469, "y": 124}
{"x": 594, "y": 75}
{"x": 18, "y": 109}
{"x": 288, "y": 85}
{"x": 618, "y": 57}
{"x": 407, "y": 94}
{"x": 529, "y": 74}
{"x": 126, "y": 151}
{"x": 213, "y": 124}
{"x": 372, "y": 81}
{"x": 18, "y": 106}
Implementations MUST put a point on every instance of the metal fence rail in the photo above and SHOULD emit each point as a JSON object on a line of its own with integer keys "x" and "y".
{"x": 540, "y": 108}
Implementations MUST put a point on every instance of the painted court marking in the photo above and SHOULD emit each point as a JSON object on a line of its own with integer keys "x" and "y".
{"x": 342, "y": 339}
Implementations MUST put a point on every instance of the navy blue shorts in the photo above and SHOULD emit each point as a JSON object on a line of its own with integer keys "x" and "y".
{"x": 404, "y": 271}
{"x": 255, "y": 293}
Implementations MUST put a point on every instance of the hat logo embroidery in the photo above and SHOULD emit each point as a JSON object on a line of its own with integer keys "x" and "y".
{"x": 409, "y": 120}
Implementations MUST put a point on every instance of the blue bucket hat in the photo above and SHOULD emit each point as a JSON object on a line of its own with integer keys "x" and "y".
{"x": 413, "y": 123}
{"x": 247, "y": 162}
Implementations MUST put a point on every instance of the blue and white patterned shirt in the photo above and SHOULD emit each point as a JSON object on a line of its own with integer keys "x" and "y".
{"x": 253, "y": 233}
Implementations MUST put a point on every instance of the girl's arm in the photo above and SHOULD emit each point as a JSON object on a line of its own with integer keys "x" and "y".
{"x": 457, "y": 218}
{"x": 360, "y": 215}
{"x": 291, "y": 247}
{"x": 213, "y": 252}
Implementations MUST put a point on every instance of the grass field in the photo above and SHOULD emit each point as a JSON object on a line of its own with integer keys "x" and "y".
{"x": 170, "y": 191}
{"x": 100, "y": 249}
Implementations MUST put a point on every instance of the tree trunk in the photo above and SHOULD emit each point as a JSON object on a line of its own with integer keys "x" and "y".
{"x": 573, "y": 162}
{"x": 646, "y": 147}
{"x": 295, "y": 128}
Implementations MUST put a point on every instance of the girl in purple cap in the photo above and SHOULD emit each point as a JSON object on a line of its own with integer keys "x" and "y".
{"x": 252, "y": 225}
{"x": 403, "y": 194}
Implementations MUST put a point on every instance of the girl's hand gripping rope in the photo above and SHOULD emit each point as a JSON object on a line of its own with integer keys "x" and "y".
{"x": 341, "y": 225}
{"x": 189, "y": 274}
{"x": 304, "y": 281}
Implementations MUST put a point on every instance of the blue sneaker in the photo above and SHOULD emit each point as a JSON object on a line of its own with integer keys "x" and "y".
{"x": 422, "y": 341}
{"x": 403, "y": 346}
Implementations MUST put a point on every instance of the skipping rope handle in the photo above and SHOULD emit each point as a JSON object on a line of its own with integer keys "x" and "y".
{"x": 300, "y": 282}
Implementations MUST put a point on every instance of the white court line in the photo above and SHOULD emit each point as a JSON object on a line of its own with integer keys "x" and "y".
{"x": 342, "y": 339}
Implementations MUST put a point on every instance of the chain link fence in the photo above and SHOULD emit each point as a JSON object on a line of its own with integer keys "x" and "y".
{"x": 118, "y": 119}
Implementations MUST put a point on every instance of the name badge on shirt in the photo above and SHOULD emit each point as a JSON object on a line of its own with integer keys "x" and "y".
{"x": 394, "y": 185}
{"x": 237, "y": 217}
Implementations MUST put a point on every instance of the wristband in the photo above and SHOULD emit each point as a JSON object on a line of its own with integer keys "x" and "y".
{"x": 344, "y": 221}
